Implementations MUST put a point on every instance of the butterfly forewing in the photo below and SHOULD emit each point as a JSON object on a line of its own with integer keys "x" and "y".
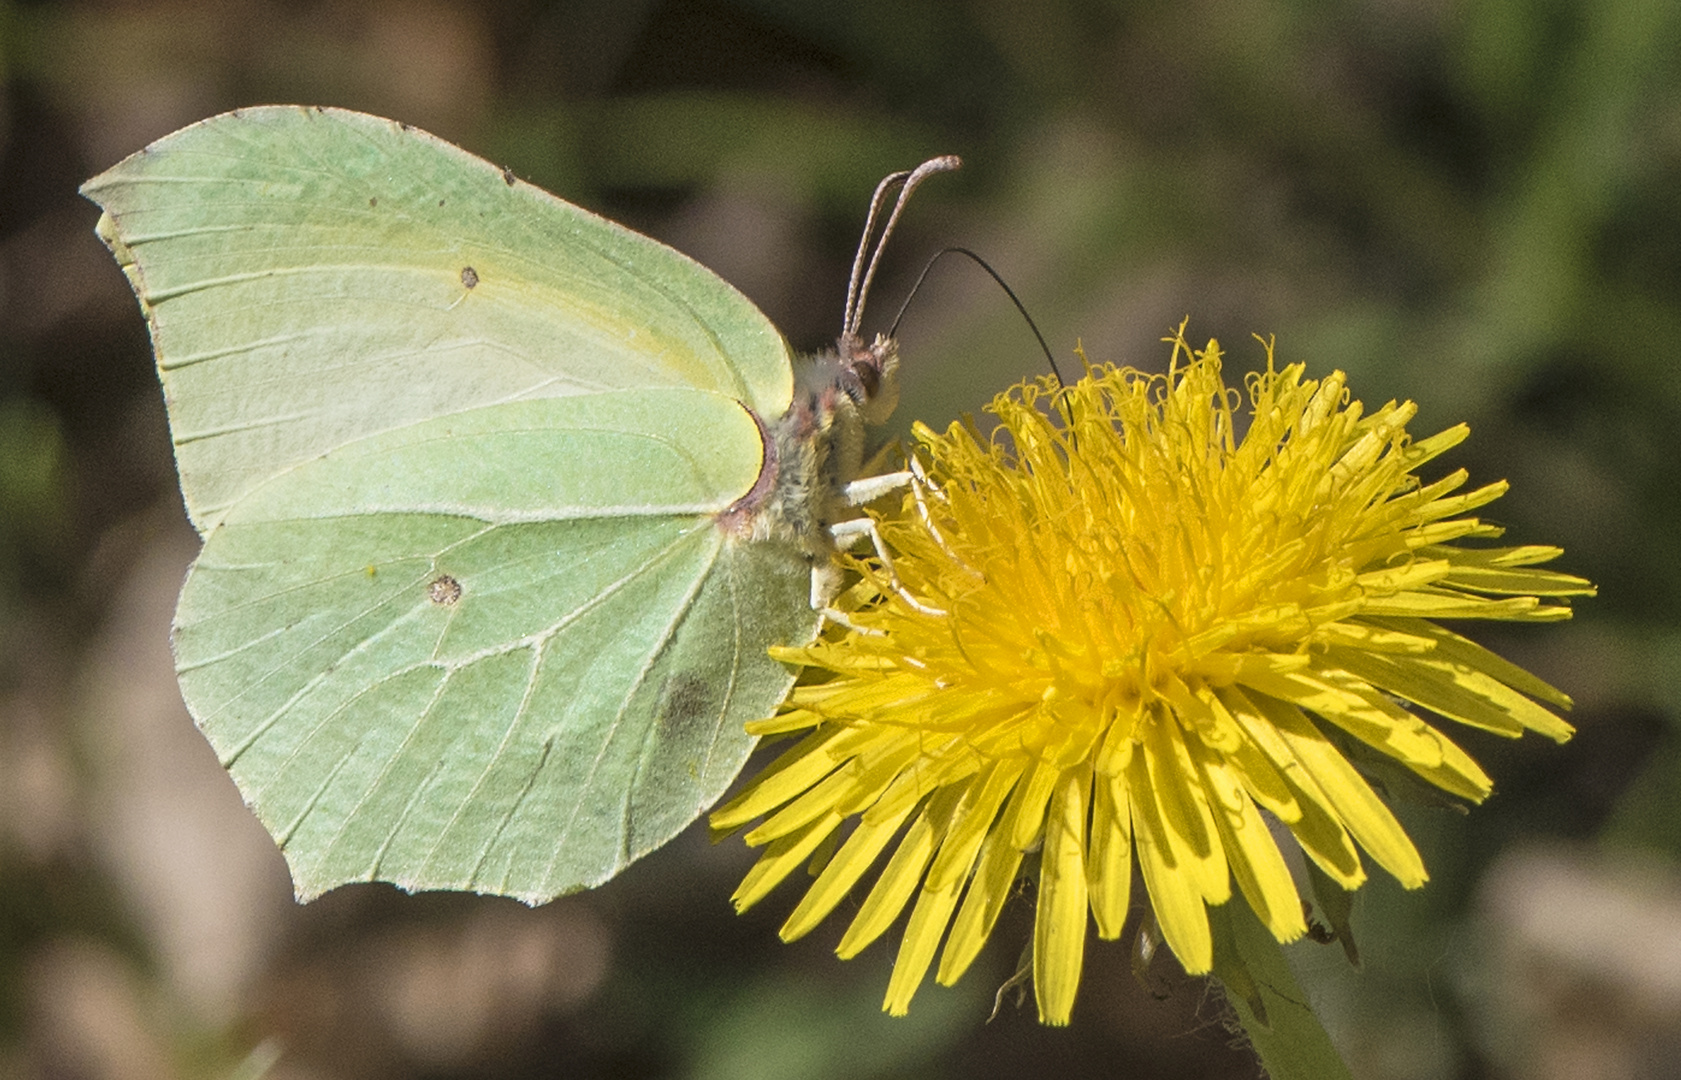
{"x": 314, "y": 275}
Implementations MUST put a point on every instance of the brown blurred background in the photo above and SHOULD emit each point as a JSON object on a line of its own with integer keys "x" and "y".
{"x": 1473, "y": 204}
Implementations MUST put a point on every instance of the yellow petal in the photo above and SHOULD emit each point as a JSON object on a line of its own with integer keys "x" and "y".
{"x": 1521, "y": 555}
{"x": 855, "y": 856}
{"x": 893, "y": 888}
{"x": 1059, "y": 926}
{"x": 1174, "y": 895}
{"x": 784, "y": 722}
{"x": 922, "y": 937}
{"x": 1450, "y": 689}
{"x": 1519, "y": 582}
{"x": 1253, "y": 767}
{"x": 1109, "y": 874}
{"x": 942, "y": 762}
{"x": 1192, "y": 843}
{"x": 816, "y": 802}
{"x": 1356, "y": 804}
{"x": 1118, "y": 741}
{"x": 1358, "y": 710}
{"x": 1318, "y": 829}
{"x": 1028, "y": 810}
{"x": 781, "y": 858}
{"x": 1421, "y": 604}
{"x": 1398, "y": 579}
{"x": 1458, "y": 774}
{"x": 1458, "y": 650}
{"x": 1423, "y": 450}
{"x": 995, "y": 874}
{"x": 973, "y": 819}
{"x": 1459, "y": 504}
{"x": 874, "y": 771}
{"x": 1255, "y": 859}
{"x": 802, "y": 765}
{"x": 1372, "y": 638}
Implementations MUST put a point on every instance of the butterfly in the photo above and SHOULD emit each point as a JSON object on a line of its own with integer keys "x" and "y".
{"x": 501, "y": 503}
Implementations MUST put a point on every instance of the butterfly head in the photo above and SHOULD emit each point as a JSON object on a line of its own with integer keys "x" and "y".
{"x": 869, "y": 376}
{"x": 815, "y": 449}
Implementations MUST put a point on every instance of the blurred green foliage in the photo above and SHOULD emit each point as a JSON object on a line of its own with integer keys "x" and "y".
{"x": 1474, "y": 204}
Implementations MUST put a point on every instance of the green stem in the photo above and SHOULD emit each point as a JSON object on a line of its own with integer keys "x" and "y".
{"x": 1275, "y": 1014}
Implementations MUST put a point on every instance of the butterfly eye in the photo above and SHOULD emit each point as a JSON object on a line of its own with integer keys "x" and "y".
{"x": 869, "y": 377}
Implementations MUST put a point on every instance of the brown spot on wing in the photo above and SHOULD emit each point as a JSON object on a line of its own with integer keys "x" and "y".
{"x": 685, "y": 699}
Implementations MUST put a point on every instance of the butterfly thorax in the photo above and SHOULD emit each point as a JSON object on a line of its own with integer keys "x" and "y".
{"x": 815, "y": 448}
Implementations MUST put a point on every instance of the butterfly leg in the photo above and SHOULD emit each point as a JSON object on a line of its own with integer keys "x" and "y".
{"x": 871, "y": 488}
{"x": 916, "y": 479}
{"x": 920, "y": 485}
{"x": 848, "y": 533}
{"x": 826, "y": 581}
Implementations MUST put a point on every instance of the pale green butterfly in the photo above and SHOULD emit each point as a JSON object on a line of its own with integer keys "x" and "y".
{"x": 502, "y": 503}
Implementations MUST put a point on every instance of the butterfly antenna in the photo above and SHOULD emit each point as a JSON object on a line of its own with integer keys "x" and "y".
{"x": 849, "y": 322}
{"x": 858, "y": 290}
{"x": 1002, "y": 284}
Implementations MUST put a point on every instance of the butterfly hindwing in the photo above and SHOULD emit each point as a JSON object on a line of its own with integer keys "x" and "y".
{"x": 513, "y": 675}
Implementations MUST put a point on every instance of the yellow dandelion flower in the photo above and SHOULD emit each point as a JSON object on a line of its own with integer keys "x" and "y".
{"x": 1122, "y": 627}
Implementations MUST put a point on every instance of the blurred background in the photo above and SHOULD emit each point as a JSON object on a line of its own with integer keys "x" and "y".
{"x": 1473, "y": 204}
